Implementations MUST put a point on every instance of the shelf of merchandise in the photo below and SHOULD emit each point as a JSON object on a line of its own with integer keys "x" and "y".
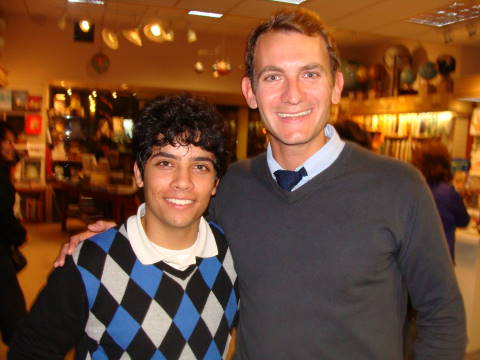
{"x": 402, "y": 122}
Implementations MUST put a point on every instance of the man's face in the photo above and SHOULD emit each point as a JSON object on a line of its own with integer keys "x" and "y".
{"x": 7, "y": 147}
{"x": 178, "y": 182}
{"x": 293, "y": 89}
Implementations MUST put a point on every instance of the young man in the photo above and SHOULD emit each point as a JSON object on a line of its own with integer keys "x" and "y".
{"x": 162, "y": 285}
{"x": 324, "y": 271}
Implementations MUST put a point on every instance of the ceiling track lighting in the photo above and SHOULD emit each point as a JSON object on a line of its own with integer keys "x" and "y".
{"x": 84, "y": 25}
{"x": 154, "y": 32}
{"x": 191, "y": 36}
{"x": 133, "y": 35}
{"x": 110, "y": 38}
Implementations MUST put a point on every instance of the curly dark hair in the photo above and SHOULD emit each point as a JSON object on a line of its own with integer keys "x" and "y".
{"x": 298, "y": 20}
{"x": 433, "y": 160}
{"x": 180, "y": 120}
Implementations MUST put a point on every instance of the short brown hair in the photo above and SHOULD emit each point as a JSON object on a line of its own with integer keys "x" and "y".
{"x": 298, "y": 20}
{"x": 433, "y": 160}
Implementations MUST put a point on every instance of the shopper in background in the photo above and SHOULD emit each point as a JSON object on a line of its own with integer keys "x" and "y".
{"x": 13, "y": 234}
{"x": 433, "y": 160}
{"x": 325, "y": 254}
{"x": 349, "y": 130}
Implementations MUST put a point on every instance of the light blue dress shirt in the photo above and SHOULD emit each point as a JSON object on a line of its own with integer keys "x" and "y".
{"x": 316, "y": 163}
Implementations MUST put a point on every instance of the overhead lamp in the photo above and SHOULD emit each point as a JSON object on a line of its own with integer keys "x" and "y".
{"x": 198, "y": 67}
{"x": 110, "y": 38}
{"x": 154, "y": 32}
{"x": 84, "y": 25}
{"x": 133, "y": 35}
{"x": 169, "y": 35}
{"x": 222, "y": 67}
{"x": 191, "y": 36}
{"x": 62, "y": 22}
{"x": 205, "y": 13}
{"x": 295, "y": 2}
{"x": 471, "y": 29}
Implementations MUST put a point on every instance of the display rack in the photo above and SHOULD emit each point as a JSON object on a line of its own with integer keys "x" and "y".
{"x": 402, "y": 122}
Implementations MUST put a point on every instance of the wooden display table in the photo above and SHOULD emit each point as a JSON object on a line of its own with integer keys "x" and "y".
{"x": 109, "y": 203}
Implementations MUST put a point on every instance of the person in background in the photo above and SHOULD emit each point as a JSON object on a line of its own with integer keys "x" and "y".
{"x": 162, "y": 285}
{"x": 349, "y": 130}
{"x": 12, "y": 301}
{"x": 432, "y": 158}
{"x": 327, "y": 236}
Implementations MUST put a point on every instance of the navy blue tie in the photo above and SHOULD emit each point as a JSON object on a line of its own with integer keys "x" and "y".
{"x": 287, "y": 179}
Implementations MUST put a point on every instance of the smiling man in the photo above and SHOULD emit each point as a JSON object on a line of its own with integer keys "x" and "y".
{"x": 344, "y": 234}
{"x": 162, "y": 285}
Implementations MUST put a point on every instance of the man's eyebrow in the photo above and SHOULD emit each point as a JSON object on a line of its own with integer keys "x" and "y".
{"x": 278, "y": 69}
{"x": 267, "y": 69}
{"x": 171, "y": 156}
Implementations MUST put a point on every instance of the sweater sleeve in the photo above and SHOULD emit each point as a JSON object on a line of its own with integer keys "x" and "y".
{"x": 428, "y": 271}
{"x": 57, "y": 319}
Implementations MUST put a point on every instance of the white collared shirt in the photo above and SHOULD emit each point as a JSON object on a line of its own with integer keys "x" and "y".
{"x": 149, "y": 253}
{"x": 316, "y": 163}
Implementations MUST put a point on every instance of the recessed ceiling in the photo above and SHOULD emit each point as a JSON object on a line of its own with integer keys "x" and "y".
{"x": 355, "y": 22}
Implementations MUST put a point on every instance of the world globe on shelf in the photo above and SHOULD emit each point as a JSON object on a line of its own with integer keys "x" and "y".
{"x": 396, "y": 57}
{"x": 361, "y": 74}
{"x": 446, "y": 64}
{"x": 427, "y": 70}
{"x": 349, "y": 69}
{"x": 408, "y": 75}
{"x": 376, "y": 72}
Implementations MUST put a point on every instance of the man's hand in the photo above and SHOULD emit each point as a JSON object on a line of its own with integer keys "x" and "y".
{"x": 92, "y": 229}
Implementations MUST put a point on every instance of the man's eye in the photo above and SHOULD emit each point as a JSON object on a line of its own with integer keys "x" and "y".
{"x": 201, "y": 167}
{"x": 164, "y": 163}
{"x": 272, "y": 77}
{"x": 311, "y": 75}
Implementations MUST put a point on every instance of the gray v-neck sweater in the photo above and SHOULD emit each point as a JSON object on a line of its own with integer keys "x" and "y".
{"x": 324, "y": 270}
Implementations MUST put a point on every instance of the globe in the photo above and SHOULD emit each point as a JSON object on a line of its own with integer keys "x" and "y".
{"x": 446, "y": 64}
{"x": 408, "y": 75}
{"x": 397, "y": 57}
{"x": 349, "y": 69}
{"x": 427, "y": 70}
{"x": 376, "y": 72}
{"x": 362, "y": 74}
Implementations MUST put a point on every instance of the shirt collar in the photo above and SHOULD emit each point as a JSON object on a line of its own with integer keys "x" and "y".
{"x": 316, "y": 163}
{"x": 149, "y": 253}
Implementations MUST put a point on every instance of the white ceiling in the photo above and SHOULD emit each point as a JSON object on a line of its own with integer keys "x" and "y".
{"x": 355, "y": 22}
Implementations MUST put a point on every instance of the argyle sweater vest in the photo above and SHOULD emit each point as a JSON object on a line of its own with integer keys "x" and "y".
{"x": 154, "y": 311}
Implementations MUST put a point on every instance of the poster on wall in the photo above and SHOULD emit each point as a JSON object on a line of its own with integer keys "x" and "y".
{"x": 34, "y": 103}
{"x": 33, "y": 124}
{"x": 5, "y": 99}
{"x": 19, "y": 100}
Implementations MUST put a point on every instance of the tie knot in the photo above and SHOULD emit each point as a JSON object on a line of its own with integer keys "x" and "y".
{"x": 287, "y": 179}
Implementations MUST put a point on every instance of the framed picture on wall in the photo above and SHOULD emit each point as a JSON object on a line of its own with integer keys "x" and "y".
{"x": 34, "y": 103}
{"x": 19, "y": 100}
{"x": 5, "y": 99}
{"x": 31, "y": 169}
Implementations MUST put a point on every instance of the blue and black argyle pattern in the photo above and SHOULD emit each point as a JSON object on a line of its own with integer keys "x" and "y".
{"x": 154, "y": 311}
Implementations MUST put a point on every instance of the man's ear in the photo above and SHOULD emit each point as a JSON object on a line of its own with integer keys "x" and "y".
{"x": 337, "y": 88}
{"x": 138, "y": 175}
{"x": 214, "y": 190}
{"x": 248, "y": 93}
